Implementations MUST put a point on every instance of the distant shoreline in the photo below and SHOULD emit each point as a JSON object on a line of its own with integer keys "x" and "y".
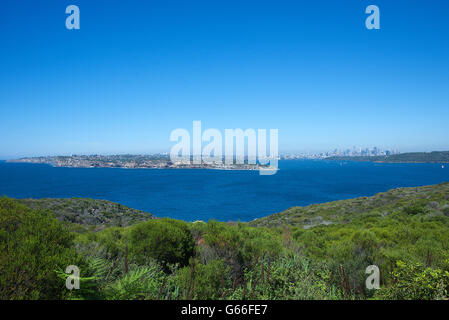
{"x": 411, "y": 157}
{"x": 130, "y": 162}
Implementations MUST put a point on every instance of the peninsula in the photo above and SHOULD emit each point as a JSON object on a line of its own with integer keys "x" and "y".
{"x": 128, "y": 161}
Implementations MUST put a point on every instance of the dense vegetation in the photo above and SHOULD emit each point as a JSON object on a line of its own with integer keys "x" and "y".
{"x": 409, "y": 157}
{"x": 90, "y": 213}
{"x": 433, "y": 200}
{"x": 33, "y": 247}
{"x": 285, "y": 256}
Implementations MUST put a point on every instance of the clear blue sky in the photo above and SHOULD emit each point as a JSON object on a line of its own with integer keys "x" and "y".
{"x": 136, "y": 70}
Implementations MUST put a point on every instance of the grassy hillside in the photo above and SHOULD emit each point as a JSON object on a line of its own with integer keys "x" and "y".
{"x": 426, "y": 201}
{"x": 89, "y": 212}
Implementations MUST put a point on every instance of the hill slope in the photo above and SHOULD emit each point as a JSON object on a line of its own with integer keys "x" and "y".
{"x": 428, "y": 200}
{"x": 89, "y": 212}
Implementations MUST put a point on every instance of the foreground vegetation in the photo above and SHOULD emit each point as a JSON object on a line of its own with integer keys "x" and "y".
{"x": 285, "y": 256}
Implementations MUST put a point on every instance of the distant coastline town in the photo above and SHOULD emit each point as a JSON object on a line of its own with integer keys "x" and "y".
{"x": 162, "y": 160}
{"x": 128, "y": 161}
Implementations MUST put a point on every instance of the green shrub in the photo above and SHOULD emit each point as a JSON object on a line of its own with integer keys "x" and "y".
{"x": 416, "y": 282}
{"x": 199, "y": 281}
{"x": 33, "y": 245}
{"x": 415, "y": 209}
{"x": 166, "y": 240}
{"x": 242, "y": 243}
{"x": 140, "y": 283}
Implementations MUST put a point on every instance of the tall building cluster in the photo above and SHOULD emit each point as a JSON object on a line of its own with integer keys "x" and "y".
{"x": 354, "y": 152}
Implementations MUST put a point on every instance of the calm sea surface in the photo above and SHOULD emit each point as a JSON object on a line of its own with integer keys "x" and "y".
{"x": 214, "y": 194}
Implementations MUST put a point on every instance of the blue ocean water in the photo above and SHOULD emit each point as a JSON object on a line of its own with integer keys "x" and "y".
{"x": 215, "y": 194}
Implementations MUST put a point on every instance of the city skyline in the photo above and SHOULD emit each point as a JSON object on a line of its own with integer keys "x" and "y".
{"x": 354, "y": 152}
